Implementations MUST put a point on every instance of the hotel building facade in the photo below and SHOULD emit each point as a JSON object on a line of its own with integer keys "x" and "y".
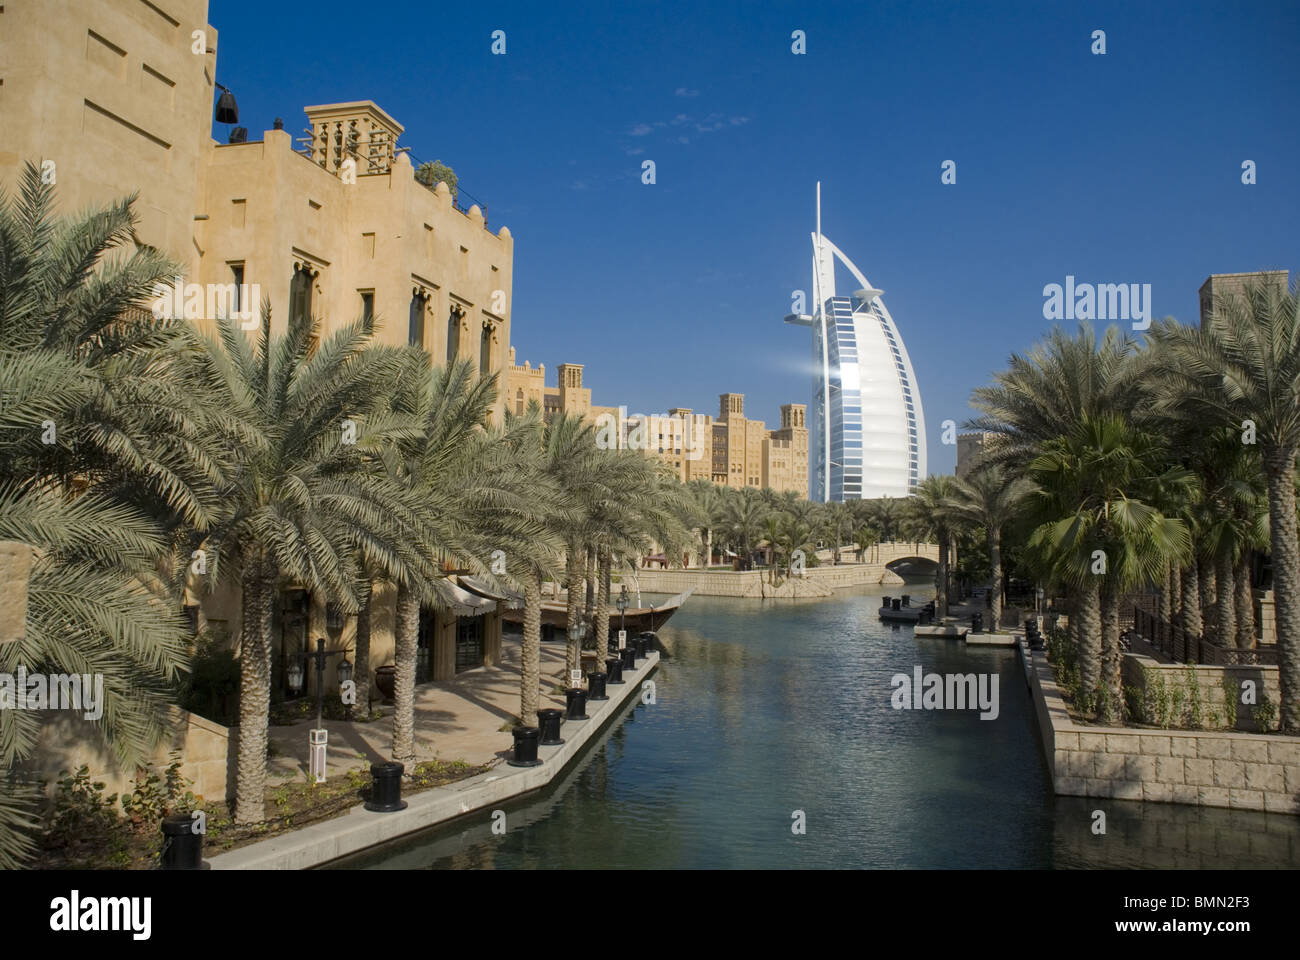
{"x": 868, "y": 437}
{"x": 109, "y": 97}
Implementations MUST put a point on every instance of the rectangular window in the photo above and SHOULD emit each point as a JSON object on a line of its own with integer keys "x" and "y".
{"x": 367, "y": 305}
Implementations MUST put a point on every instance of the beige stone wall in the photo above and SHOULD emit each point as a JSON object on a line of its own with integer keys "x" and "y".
{"x": 274, "y": 211}
{"x": 208, "y": 751}
{"x": 111, "y": 92}
{"x": 1214, "y": 769}
{"x": 1141, "y": 672}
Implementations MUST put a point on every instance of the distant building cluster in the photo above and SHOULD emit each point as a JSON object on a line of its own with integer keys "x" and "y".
{"x": 730, "y": 450}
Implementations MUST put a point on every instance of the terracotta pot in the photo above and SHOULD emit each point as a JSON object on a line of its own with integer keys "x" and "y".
{"x": 385, "y": 681}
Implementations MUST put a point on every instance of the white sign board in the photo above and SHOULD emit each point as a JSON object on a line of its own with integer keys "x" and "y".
{"x": 622, "y": 639}
{"x": 575, "y": 678}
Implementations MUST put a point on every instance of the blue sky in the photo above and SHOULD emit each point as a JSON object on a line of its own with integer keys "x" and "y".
{"x": 1122, "y": 168}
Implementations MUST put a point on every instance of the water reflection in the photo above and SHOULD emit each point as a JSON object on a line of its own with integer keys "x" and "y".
{"x": 765, "y": 708}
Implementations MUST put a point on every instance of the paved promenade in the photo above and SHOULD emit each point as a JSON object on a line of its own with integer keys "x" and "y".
{"x": 458, "y": 719}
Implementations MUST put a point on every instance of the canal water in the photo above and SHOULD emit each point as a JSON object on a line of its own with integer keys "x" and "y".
{"x": 769, "y": 715}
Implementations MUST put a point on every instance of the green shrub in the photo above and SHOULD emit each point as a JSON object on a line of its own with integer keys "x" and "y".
{"x": 1231, "y": 691}
{"x": 1192, "y": 718}
{"x": 1265, "y": 713}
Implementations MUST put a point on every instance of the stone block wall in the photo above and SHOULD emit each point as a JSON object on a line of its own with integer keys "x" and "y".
{"x": 206, "y": 749}
{"x": 1206, "y": 768}
{"x": 1140, "y": 671}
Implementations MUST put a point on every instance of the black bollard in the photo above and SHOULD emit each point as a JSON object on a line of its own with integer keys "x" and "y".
{"x": 182, "y": 847}
{"x": 629, "y": 658}
{"x": 977, "y": 623}
{"x": 898, "y": 603}
{"x": 525, "y": 747}
{"x": 596, "y": 686}
{"x": 386, "y": 788}
{"x": 907, "y": 599}
{"x": 614, "y": 671}
{"x": 642, "y": 646}
{"x": 548, "y": 722}
{"x": 576, "y": 698}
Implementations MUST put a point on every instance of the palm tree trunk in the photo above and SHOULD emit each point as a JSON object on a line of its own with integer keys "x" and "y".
{"x": 257, "y": 587}
{"x": 1279, "y": 468}
{"x": 590, "y": 578}
{"x": 941, "y": 580}
{"x": 573, "y": 607}
{"x": 995, "y": 562}
{"x": 952, "y": 563}
{"x": 1244, "y": 600}
{"x": 1176, "y": 635}
{"x": 1193, "y": 628}
{"x": 708, "y": 549}
{"x": 1109, "y": 700}
{"x": 406, "y": 638}
{"x": 530, "y": 655}
{"x": 361, "y": 670}
{"x": 1209, "y": 596}
{"x": 602, "y": 604}
{"x": 1088, "y": 608}
{"x": 1162, "y": 631}
{"x": 1226, "y": 616}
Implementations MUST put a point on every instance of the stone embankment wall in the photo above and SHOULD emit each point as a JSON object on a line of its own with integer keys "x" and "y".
{"x": 1206, "y": 768}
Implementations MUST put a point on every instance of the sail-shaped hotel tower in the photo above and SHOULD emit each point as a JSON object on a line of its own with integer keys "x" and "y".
{"x": 868, "y": 434}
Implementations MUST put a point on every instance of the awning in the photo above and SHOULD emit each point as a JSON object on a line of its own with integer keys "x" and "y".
{"x": 503, "y": 595}
{"x": 460, "y": 601}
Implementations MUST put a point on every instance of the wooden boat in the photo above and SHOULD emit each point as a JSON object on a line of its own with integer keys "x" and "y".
{"x": 637, "y": 619}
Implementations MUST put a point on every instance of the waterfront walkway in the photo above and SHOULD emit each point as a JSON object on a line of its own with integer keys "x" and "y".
{"x": 459, "y": 719}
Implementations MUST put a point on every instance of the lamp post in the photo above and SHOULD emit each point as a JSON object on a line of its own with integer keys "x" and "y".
{"x": 622, "y": 604}
{"x": 318, "y": 739}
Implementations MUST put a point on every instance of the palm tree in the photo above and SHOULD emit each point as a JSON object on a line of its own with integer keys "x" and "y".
{"x": 742, "y": 519}
{"x": 865, "y": 538}
{"x": 707, "y": 497}
{"x": 471, "y": 501}
{"x": 931, "y": 511}
{"x": 1102, "y": 533}
{"x": 87, "y": 477}
{"x": 990, "y": 498}
{"x": 304, "y": 499}
{"x": 1241, "y": 369}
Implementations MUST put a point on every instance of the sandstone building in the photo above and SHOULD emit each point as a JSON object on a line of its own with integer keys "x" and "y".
{"x": 109, "y": 97}
{"x": 731, "y": 450}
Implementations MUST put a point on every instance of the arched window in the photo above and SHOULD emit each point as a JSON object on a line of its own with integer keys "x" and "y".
{"x": 300, "y": 291}
{"x": 453, "y": 335}
{"x": 519, "y": 401}
{"x": 419, "y": 302}
{"x": 485, "y": 351}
